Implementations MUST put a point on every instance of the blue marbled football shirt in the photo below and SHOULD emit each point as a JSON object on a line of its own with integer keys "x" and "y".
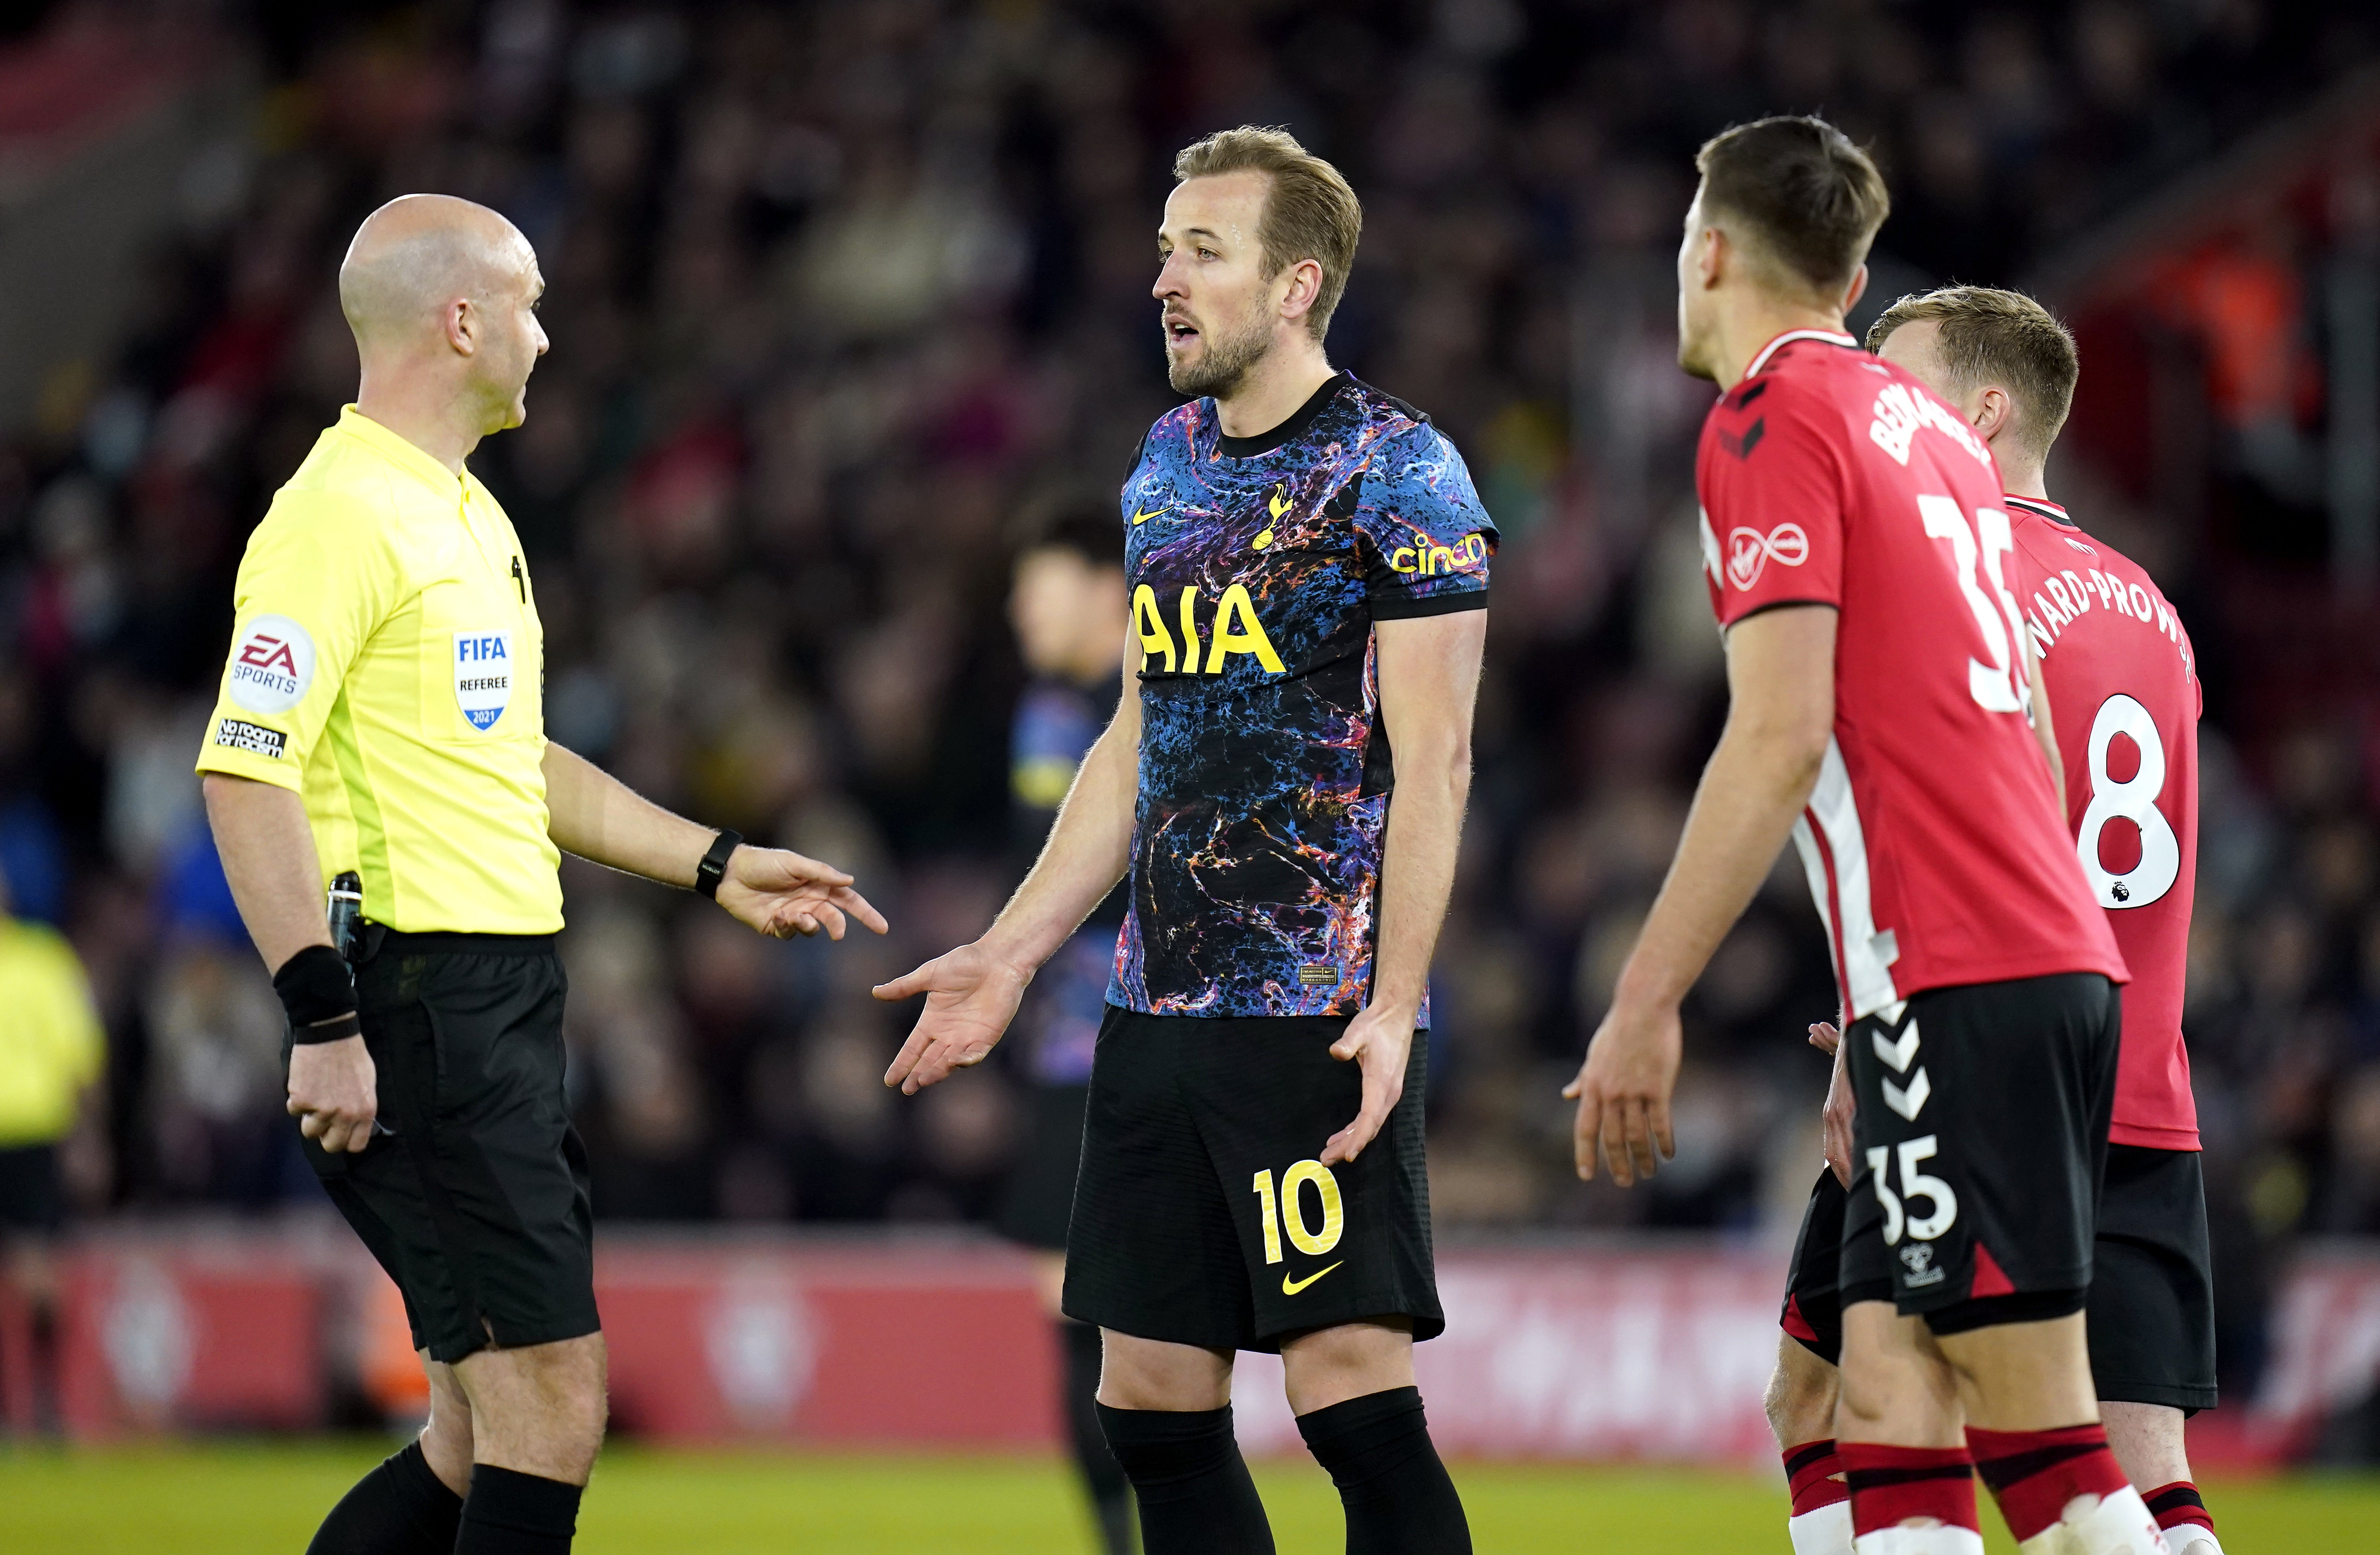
{"x": 1257, "y": 566}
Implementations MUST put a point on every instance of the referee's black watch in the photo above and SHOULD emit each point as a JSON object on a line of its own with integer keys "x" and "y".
{"x": 713, "y": 868}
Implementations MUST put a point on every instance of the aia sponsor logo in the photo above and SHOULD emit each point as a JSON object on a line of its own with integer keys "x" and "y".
{"x": 1749, "y": 552}
{"x": 271, "y": 666}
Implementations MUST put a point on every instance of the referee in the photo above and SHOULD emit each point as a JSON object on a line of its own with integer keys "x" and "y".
{"x": 382, "y": 714}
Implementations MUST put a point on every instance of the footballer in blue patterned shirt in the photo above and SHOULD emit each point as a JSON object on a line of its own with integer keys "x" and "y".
{"x": 1283, "y": 786}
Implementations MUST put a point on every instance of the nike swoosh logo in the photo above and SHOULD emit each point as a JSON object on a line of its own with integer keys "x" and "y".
{"x": 1291, "y": 1287}
{"x": 1140, "y": 518}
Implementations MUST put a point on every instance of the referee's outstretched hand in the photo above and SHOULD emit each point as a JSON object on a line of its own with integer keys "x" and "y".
{"x": 1624, "y": 1092}
{"x": 971, "y": 995}
{"x": 783, "y": 893}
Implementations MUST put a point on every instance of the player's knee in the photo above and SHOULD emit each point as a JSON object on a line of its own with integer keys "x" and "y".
{"x": 1349, "y": 1360}
{"x": 1800, "y": 1397}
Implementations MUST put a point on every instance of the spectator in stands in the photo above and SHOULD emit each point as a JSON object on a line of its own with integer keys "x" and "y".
{"x": 52, "y": 1064}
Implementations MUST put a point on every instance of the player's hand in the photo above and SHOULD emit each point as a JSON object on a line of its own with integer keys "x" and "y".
{"x": 971, "y": 995}
{"x": 1624, "y": 1090}
{"x": 782, "y": 894}
{"x": 1378, "y": 1039}
{"x": 1835, "y": 1121}
{"x": 333, "y": 1093}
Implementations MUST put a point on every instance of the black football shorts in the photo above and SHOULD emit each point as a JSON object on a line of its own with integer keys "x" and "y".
{"x": 1814, "y": 1297}
{"x": 2152, "y": 1282}
{"x": 31, "y": 1198}
{"x": 475, "y": 1198}
{"x": 1203, "y": 1214}
{"x": 1979, "y": 1145}
{"x": 1039, "y": 1197}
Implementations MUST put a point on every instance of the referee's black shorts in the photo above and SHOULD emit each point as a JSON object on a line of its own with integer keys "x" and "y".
{"x": 475, "y": 1199}
{"x": 1203, "y": 1215}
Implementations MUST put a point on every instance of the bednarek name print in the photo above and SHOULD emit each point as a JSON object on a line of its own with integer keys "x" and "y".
{"x": 483, "y": 676}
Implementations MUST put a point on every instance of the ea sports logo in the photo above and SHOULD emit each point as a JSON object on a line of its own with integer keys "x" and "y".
{"x": 271, "y": 666}
{"x": 1749, "y": 552}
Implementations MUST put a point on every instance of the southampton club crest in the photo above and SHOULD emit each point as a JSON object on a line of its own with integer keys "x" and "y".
{"x": 483, "y": 676}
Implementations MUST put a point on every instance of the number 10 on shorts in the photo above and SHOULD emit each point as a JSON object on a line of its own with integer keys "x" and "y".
{"x": 1289, "y": 1209}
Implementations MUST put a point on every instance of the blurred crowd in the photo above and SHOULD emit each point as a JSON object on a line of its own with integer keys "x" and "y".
{"x": 846, "y": 298}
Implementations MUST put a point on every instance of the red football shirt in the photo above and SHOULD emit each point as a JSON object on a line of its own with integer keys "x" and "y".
{"x": 2123, "y": 692}
{"x": 1933, "y": 842}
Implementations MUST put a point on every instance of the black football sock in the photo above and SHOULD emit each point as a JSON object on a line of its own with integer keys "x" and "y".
{"x": 1399, "y": 1498}
{"x": 49, "y": 1404}
{"x": 400, "y": 1508}
{"x": 509, "y": 1512}
{"x": 1102, "y": 1475}
{"x": 1195, "y": 1494}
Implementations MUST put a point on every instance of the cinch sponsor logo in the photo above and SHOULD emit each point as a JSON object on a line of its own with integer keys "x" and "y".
{"x": 1237, "y": 631}
{"x": 254, "y": 738}
{"x": 1430, "y": 559}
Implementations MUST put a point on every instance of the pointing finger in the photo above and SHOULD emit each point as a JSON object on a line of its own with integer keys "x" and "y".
{"x": 859, "y": 906}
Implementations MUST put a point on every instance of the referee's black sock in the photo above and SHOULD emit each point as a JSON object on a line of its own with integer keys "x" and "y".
{"x": 1102, "y": 1475}
{"x": 509, "y": 1512}
{"x": 400, "y": 1508}
{"x": 1398, "y": 1497}
{"x": 1193, "y": 1486}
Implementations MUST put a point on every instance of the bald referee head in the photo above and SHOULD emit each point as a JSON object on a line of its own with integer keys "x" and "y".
{"x": 442, "y": 295}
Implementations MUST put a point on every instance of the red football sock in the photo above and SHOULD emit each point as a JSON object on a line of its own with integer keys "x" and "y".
{"x": 1890, "y": 1485}
{"x": 1810, "y": 1471}
{"x": 2032, "y": 1474}
{"x": 2174, "y": 1504}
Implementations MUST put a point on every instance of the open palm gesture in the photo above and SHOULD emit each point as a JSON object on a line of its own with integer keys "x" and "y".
{"x": 971, "y": 995}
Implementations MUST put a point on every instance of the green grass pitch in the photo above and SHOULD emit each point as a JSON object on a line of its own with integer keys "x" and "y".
{"x": 264, "y": 1499}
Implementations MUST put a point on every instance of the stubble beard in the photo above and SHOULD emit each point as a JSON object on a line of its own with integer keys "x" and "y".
{"x": 1224, "y": 366}
{"x": 1694, "y": 350}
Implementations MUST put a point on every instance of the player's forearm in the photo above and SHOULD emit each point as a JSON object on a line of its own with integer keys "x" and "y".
{"x": 1417, "y": 856}
{"x": 267, "y": 849}
{"x": 595, "y": 816}
{"x": 1428, "y": 671}
{"x": 1756, "y": 783}
{"x": 1089, "y": 847}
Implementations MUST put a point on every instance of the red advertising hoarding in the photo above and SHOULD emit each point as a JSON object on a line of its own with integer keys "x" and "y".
{"x": 1580, "y": 1351}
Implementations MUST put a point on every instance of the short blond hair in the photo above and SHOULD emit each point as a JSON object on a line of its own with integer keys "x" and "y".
{"x": 1993, "y": 336}
{"x": 1309, "y": 212}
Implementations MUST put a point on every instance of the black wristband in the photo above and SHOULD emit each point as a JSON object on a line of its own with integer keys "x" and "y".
{"x": 318, "y": 991}
{"x": 713, "y": 868}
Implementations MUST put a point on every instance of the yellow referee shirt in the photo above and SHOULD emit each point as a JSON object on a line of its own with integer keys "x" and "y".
{"x": 387, "y": 664}
{"x": 51, "y": 1045}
